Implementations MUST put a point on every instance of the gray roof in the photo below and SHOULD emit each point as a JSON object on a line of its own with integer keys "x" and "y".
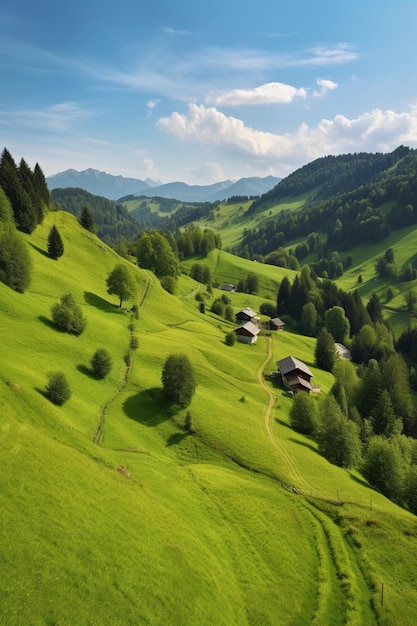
{"x": 250, "y": 327}
{"x": 290, "y": 363}
{"x": 277, "y": 321}
{"x": 247, "y": 311}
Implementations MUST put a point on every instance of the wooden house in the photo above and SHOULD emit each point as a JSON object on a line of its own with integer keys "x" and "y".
{"x": 228, "y": 287}
{"x": 245, "y": 315}
{"x": 275, "y": 324}
{"x": 295, "y": 374}
{"x": 247, "y": 333}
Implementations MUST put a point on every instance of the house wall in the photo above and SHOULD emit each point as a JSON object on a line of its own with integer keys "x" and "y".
{"x": 246, "y": 339}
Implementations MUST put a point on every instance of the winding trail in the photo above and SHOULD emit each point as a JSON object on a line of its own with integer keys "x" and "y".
{"x": 294, "y": 471}
{"x": 98, "y": 437}
{"x": 342, "y": 587}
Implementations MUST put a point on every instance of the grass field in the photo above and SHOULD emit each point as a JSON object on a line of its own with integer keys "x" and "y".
{"x": 240, "y": 523}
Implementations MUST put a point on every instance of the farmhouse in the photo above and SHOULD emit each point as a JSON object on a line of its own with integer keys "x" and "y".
{"x": 275, "y": 324}
{"x": 245, "y": 315}
{"x": 295, "y": 374}
{"x": 228, "y": 287}
{"x": 247, "y": 333}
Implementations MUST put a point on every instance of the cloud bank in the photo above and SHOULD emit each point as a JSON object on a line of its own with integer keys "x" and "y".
{"x": 372, "y": 131}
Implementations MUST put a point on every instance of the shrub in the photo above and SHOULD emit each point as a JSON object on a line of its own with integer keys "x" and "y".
{"x": 67, "y": 315}
{"x": 230, "y": 339}
{"x": 267, "y": 308}
{"x": 218, "y": 307}
{"x": 57, "y": 390}
{"x": 101, "y": 363}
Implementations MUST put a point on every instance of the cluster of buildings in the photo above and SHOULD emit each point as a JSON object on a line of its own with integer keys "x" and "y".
{"x": 295, "y": 375}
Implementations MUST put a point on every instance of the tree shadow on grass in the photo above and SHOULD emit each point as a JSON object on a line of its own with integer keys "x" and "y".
{"x": 87, "y": 371}
{"x": 360, "y": 481}
{"x": 100, "y": 303}
{"x": 146, "y": 408}
{"x": 40, "y": 250}
{"x": 306, "y": 445}
{"x": 49, "y": 323}
{"x": 282, "y": 423}
{"x": 176, "y": 438}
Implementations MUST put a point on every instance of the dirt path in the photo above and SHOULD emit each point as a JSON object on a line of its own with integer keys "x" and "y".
{"x": 295, "y": 472}
{"x": 98, "y": 437}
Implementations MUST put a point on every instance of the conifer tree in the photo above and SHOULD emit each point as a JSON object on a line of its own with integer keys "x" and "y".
{"x": 87, "y": 220}
{"x": 25, "y": 216}
{"x": 55, "y": 243}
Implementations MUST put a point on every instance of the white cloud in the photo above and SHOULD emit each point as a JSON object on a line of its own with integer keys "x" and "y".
{"x": 151, "y": 104}
{"x": 59, "y": 117}
{"x": 205, "y": 174}
{"x": 269, "y": 93}
{"x": 325, "y": 86}
{"x": 376, "y": 130}
{"x": 174, "y": 31}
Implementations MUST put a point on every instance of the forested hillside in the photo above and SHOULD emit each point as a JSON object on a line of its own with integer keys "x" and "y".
{"x": 354, "y": 199}
{"x": 113, "y": 222}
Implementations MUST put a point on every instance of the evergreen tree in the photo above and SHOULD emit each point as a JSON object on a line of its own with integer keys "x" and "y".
{"x": 86, "y": 220}
{"x": 283, "y": 296}
{"x": 374, "y": 308}
{"x": 24, "y": 213}
{"x": 40, "y": 185}
{"x": 15, "y": 260}
{"x": 325, "y": 353}
{"x": 55, "y": 243}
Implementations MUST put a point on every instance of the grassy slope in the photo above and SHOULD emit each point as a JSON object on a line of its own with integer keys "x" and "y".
{"x": 202, "y": 532}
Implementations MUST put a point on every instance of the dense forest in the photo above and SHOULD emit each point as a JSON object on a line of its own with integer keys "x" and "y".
{"x": 359, "y": 200}
{"x": 113, "y": 221}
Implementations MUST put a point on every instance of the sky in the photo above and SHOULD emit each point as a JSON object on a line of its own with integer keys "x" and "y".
{"x": 202, "y": 92}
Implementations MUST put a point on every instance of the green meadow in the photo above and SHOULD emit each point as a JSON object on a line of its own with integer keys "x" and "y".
{"x": 113, "y": 514}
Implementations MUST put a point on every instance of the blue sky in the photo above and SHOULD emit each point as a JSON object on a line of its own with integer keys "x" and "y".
{"x": 205, "y": 91}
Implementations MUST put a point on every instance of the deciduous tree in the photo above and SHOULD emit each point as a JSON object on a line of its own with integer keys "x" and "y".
{"x": 121, "y": 282}
{"x": 178, "y": 380}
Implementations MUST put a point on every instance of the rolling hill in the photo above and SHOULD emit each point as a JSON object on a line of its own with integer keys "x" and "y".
{"x": 115, "y": 514}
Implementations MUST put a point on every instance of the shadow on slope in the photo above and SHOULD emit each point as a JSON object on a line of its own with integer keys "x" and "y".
{"x": 100, "y": 303}
{"x": 146, "y": 408}
{"x": 40, "y": 250}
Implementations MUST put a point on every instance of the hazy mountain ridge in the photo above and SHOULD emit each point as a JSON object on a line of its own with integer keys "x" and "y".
{"x": 115, "y": 187}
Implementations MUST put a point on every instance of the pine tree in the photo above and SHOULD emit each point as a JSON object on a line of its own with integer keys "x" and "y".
{"x": 283, "y": 296}
{"x": 24, "y": 213}
{"x": 86, "y": 220}
{"x": 55, "y": 243}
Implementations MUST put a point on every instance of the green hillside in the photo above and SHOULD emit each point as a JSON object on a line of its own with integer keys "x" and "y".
{"x": 242, "y": 522}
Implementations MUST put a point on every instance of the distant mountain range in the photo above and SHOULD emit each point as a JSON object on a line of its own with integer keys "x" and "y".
{"x": 115, "y": 187}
